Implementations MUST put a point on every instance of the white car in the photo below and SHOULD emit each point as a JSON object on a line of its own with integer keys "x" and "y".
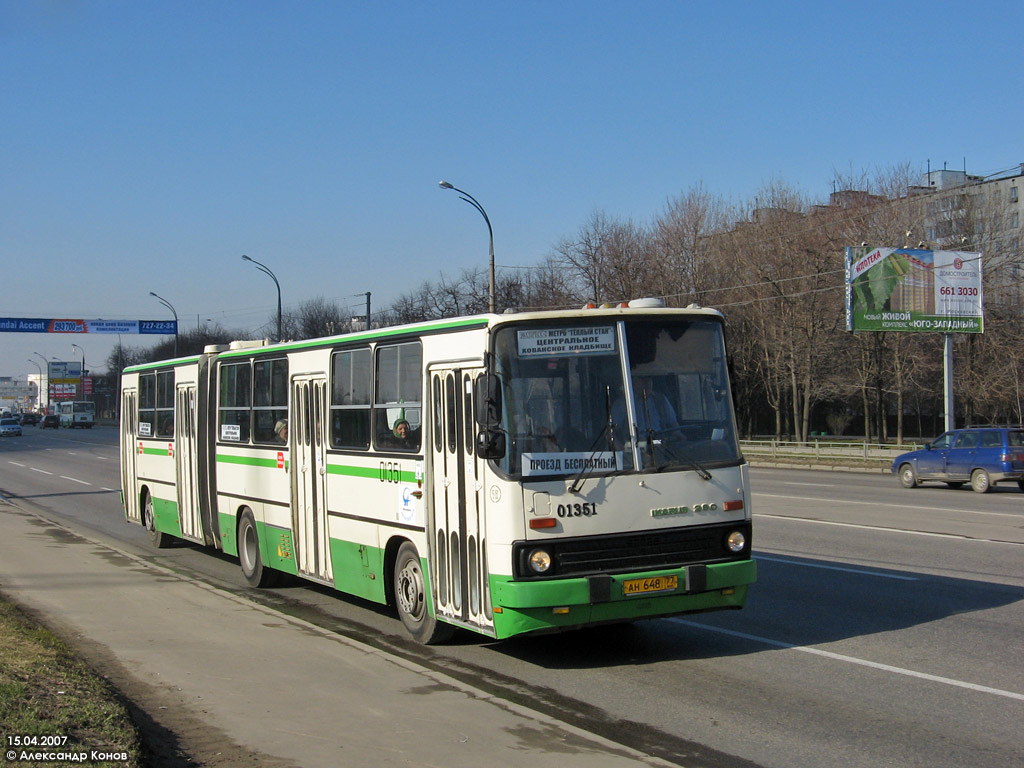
{"x": 10, "y": 427}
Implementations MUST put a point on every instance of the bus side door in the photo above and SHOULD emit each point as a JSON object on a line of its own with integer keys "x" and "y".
{"x": 308, "y": 470}
{"x": 129, "y": 446}
{"x": 456, "y": 522}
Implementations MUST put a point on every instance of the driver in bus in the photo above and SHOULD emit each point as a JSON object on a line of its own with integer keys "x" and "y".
{"x": 663, "y": 415}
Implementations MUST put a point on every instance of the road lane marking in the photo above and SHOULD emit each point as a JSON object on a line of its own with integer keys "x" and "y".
{"x": 74, "y": 480}
{"x": 854, "y": 660}
{"x": 36, "y": 469}
{"x": 17, "y": 464}
{"x": 958, "y": 510}
{"x": 836, "y": 568}
{"x": 861, "y": 526}
{"x": 812, "y": 485}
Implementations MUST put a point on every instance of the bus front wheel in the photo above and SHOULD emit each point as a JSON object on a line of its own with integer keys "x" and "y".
{"x": 411, "y": 599}
{"x": 249, "y": 553}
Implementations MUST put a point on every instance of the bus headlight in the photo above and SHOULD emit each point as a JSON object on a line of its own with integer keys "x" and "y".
{"x": 736, "y": 541}
{"x": 539, "y": 560}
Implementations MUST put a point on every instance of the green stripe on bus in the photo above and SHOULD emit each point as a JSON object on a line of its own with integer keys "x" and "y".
{"x": 370, "y": 472}
{"x": 156, "y": 452}
{"x": 250, "y": 461}
{"x": 399, "y": 330}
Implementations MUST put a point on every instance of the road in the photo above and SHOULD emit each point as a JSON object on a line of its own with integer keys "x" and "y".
{"x": 885, "y": 629}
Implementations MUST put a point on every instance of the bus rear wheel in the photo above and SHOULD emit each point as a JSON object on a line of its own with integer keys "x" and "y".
{"x": 160, "y": 539}
{"x": 249, "y": 556}
{"x": 411, "y": 599}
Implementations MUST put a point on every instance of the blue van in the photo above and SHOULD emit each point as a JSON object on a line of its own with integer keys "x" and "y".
{"x": 981, "y": 456}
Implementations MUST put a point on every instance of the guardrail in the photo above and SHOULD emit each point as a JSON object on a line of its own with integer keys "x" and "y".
{"x": 822, "y": 450}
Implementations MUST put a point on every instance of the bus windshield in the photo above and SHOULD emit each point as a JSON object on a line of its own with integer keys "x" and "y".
{"x": 569, "y": 406}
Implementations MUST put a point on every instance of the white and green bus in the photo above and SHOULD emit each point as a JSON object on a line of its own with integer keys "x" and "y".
{"x": 502, "y": 473}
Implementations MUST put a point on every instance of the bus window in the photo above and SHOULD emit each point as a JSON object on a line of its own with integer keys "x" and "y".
{"x": 165, "y": 404}
{"x": 269, "y": 399}
{"x": 233, "y": 403}
{"x": 398, "y": 397}
{"x": 147, "y": 405}
{"x": 350, "y": 399}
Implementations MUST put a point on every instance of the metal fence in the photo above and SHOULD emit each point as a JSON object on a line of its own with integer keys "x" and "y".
{"x": 823, "y": 450}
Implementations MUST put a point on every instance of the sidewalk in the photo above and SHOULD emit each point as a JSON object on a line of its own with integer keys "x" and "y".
{"x": 272, "y": 690}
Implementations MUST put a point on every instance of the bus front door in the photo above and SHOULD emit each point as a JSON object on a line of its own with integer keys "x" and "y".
{"x": 308, "y": 470}
{"x": 129, "y": 447}
{"x": 456, "y": 522}
{"x": 185, "y": 458}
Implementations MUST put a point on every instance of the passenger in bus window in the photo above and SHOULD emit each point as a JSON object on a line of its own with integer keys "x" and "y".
{"x": 403, "y": 434}
{"x": 281, "y": 431}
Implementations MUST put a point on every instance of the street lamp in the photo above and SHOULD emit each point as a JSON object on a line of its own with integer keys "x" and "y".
{"x": 81, "y": 375}
{"x": 265, "y": 269}
{"x": 167, "y": 304}
{"x": 472, "y": 201}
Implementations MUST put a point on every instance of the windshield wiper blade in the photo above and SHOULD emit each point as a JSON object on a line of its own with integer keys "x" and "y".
{"x": 609, "y": 431}
{"x": 682, "y": 456}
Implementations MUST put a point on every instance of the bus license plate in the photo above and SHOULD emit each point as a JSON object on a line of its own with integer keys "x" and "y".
{"x": 646, "y": 586}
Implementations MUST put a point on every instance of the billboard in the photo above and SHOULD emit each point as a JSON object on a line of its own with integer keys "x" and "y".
{"x": 37, "y": 325}
{"x": 907, "y": 289}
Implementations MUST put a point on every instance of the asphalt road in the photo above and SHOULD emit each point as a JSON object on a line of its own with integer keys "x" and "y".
{"x": 886, "y": 627}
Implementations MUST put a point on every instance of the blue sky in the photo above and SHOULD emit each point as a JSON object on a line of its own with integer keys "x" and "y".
{"x": 147, "y": 145}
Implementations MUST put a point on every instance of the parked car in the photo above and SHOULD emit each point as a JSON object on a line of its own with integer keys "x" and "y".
{"x": 29, "y": 419}
{"x": 982, "y": 456}
{"x": 10, "y": 427}
{"x": 50, "y": 420}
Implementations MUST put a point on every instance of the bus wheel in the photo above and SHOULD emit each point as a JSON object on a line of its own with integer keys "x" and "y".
{"x": 160, "y": 539}
{"x": 411, "y": 599}
{"x": 980, "y": 482}
{"x": 249, "y": 553}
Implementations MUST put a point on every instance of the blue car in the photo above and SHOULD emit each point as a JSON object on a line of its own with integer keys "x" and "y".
{"x": 981, "y": 456}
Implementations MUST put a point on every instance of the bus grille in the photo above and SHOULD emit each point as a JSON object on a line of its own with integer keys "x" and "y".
{"x": 626, "y": 553}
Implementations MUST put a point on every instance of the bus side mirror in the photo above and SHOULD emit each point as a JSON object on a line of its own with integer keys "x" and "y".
{"x": 490, "y": 444}
{"x": 487, "y": 399}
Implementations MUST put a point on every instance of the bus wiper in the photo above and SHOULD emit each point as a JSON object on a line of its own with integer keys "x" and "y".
{"x": 609, "y": 430}
{"x": 683, "y": 457}
{"x": 650, "y": 428}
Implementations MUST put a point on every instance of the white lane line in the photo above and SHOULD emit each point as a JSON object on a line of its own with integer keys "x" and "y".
{"x": 17, "y": 464}
{"x": 113, "y": 490}
{"x": 888, "y": 530}
{"x": 43, "y": 471}
{"x": 74, "y": 480}
{"x": 958, "y": 510}
{"x": 812, "y": 485}
{"x": 835, "y": 568}
{"x": 855, "y": 660}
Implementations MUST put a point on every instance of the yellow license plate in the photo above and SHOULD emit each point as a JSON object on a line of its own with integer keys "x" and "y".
{"x": 646, "y": 586}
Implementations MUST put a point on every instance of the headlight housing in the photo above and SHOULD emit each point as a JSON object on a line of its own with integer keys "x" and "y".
{"x": 539, "y": 560}
{"x": 736, "y": 542}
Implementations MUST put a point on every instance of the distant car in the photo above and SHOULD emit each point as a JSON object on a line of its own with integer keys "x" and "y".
{"x": 981, "y": 456}
{"x": 10, "y": 427}
{"x": 50, "y": 420}
{"x": 29, "y": 419}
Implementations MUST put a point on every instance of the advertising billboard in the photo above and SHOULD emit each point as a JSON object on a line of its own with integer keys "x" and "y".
{"x": 907, "y": 289}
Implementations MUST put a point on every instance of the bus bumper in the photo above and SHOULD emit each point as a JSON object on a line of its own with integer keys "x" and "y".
{"x": 538, "y": 606}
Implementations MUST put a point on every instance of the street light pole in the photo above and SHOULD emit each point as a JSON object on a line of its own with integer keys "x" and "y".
{"x": 265, "y": 269}
{"x": 167, "y": 304}
{"x": 473, "y": 201}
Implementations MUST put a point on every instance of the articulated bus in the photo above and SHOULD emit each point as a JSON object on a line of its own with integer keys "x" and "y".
{"x": 76, "y": 413}
{"x": 512, "y": 473}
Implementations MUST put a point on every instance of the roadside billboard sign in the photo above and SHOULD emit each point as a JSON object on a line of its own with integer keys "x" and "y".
{"x": 907, "y": 289}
